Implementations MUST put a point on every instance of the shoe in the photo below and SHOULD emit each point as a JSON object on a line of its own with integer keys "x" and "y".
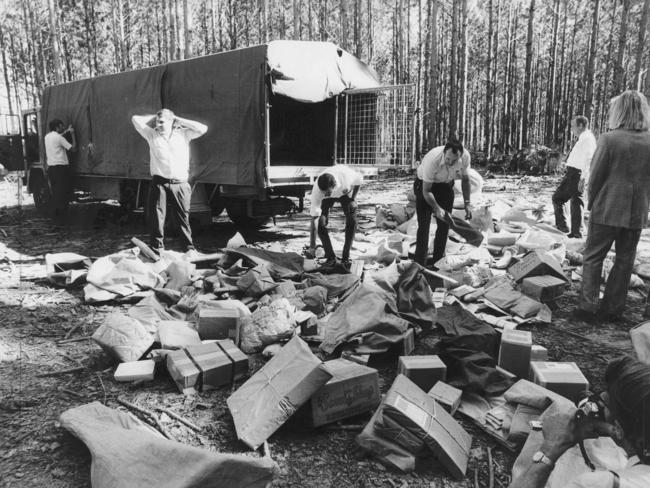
{"x": 330, "y": 262}
{"x": 574, "y": 236}
{"x": 346, "y": 263}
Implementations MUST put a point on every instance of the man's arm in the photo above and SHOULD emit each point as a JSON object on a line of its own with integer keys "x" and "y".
{"x": 73, "y": 148}
{"x": 466, "y": 186}
{"x": 598, "y": 171}
{"x": 141, "y": 123}
{"x": 431, "y": 201}
{"x": 355, "y": 190}
{"x": 196, "y": 129}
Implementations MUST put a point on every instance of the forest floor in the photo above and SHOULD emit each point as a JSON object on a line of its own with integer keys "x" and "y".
{"x": 36, "y": 452}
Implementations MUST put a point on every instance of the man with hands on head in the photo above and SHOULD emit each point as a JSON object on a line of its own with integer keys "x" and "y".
{"x": 627, "y": 422}
{"x": 434, "y": 193}
{"x": 169, "y": 139}
{"x": 336, "y": 184}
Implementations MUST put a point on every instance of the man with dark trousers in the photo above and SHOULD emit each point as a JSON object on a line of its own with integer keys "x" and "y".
{"x": 336, "y": 184}
{"x": 57, "y": 167}
{"x": 169, "y": 139}
{"x": 434, "y": 195}
{"x": 573, "y": 183}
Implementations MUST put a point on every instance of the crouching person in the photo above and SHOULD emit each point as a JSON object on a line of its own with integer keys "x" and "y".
{"x": 336, "y": 184}
{"x": 626, "y": 407}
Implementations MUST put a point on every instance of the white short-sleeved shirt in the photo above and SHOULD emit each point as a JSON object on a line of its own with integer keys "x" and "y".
{"x": 169, "y": 158}
{"x": 434, "y": 169}
{"x": 55, "y": 149}
{"x": 582, "y": 152}
{"x": 346, "y": 179}
{"x": 635, "y": 475}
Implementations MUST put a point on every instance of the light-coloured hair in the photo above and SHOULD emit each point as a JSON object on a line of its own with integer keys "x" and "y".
{"x": 165, "y": 113}
{"x": 629, "y": 110}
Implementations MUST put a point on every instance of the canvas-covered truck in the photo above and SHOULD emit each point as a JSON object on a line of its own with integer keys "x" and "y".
{"x": 277, "y": 115}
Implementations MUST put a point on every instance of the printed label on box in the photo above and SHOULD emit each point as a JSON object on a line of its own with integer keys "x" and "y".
{"x": 412, "y": 411}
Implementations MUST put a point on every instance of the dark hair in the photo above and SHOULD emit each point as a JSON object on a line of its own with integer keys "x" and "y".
{"x": 54, "y": 124}
{"x": 455, "y": 146}
{"x": 581, "y": 120}
{"x": 628, "y": 385}
{"x": 326, "y": 181}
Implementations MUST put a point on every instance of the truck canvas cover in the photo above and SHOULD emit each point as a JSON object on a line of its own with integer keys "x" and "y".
{"x": 225, "y": 91}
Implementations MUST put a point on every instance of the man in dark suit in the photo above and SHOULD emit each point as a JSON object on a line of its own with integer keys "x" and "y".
{"x": 619, "y": 197}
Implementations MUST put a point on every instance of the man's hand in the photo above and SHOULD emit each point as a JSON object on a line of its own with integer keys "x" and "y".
{"x": 562, "y": 430}
{"x": 468, "y": 211}
{"x": 581, "y": 185}
{"x": 354, "y": 205}
{"x": 439, "y": 212}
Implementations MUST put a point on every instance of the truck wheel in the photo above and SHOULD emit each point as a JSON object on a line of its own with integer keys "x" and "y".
{"x": 237, "y": 212}
{"x": 41, "y": 192}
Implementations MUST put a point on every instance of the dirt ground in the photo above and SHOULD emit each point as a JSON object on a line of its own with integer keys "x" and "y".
{"x": 36, "y": 452}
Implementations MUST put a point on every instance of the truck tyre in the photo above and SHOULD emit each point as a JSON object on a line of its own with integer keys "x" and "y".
{"x": 237, "y": 212}
{"x": 40, "y": 191}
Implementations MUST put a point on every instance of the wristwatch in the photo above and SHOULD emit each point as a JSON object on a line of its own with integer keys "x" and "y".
{"x": 540, "y": 457}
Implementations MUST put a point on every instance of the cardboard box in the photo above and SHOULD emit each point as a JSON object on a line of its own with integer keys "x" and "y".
{"x": 219, "y": 324}
{"x": 309, "y": 327}
{"x": 565, "y": 379}
{"x": 272, "y": 395}
{"x": 387, "y": 452}
{"x": 353, "y": 389}
{"x": 286, "y": 288}
{"x": 183, "y": 371}
{"x": 407, "y": 346}
{"x": 238, "y": 358}
{"x": 514, "y": 352}
{"x": 446, "y": 395}
{"x": 135, "y": 371}
{"x": 356, "y": 268}
{"x": 177, "y": 334}
{"x": 215, "y": 366}
{"x": 536, "y": 263}
{"x": 544, "y": 288}
{"x": 424, "y": 371}
{"x": 362, "y": 359}
{"x": 423, "y": 418}
{"x": 538, "y": 353}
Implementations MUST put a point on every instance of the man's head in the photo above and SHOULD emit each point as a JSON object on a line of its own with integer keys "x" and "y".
{"x": 628, "y": 388}
{"x": 579, "y": 124}
{"x": 453, "y": 151}
{"x": 326, "y": 183}
{"x": 56, "y": 125}
{"x": 164, "y": 120}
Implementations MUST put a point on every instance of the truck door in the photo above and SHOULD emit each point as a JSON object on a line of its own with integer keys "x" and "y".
{"x": 11, "y": 147}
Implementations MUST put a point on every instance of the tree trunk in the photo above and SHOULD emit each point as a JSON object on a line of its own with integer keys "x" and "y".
{"x": 296, "y": 19}
{"x": 5, "y": 71}
{"x": 619, "y": 70}
{"x": 433, "y": 77}
{"x": 187, "y": 28}
{"x": 488, "y": 83}
{"x": 343, "y": 19}
{"x": 463, "y": 74}
{"x": 529, "y": 61}
{"x": 641, "y": 45}
{"x": 589, "y": 88}
{"x": 453, "y": 72}
{"x": 550, "y": 93}
{"x": 370, "y": 33}
{"x": 607, "y": 90}
{"x": 54, "y": 40}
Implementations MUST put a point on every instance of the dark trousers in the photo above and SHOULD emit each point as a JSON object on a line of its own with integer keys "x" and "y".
{"x": 349, "y": 207}
{"x": 444, "y": 195}
{"x": 568, "y": 190}
{"x": 599, "y": 241}
{"x": 60, "y": 184}
{"x": 178, "y": 193}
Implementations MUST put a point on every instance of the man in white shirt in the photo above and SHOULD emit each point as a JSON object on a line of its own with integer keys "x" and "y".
{"x": 169, "y": 139}
{"x": 336, "y": 184}
{"x": 57, "y": 167}
{"x": 573, "y": 183}
{"x": 434, "y": 195}
{"x": 627, "y": 421}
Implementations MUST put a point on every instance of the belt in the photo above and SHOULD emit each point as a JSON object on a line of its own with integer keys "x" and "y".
{"x": 162, "y": 179}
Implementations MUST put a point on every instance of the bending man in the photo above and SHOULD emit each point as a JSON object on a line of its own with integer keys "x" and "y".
{"x": 434, "y": 193}
{"x": 169, "y": 139}
{"x": 336, "y": 184}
